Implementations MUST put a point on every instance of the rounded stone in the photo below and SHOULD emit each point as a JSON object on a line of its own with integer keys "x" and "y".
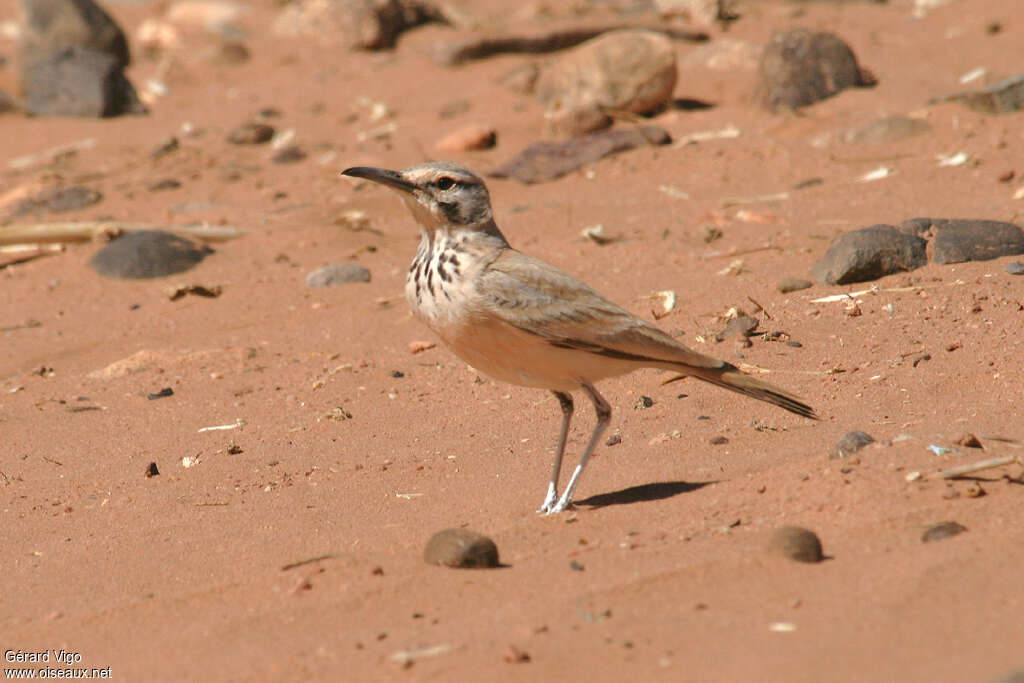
{"x": 336, "y": 274}
{"x": 461, "y": 548}
{"x": 850, "y": 443}
{"x": 942, "y": 530}
{"x": 147, "y": 254}
{"x": 796, "y": 543}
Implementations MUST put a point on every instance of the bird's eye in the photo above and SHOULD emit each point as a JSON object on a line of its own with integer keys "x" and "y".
{"x": 445, "y": 183}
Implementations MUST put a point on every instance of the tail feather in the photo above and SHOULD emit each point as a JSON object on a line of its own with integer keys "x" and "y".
{"x": 733, "y": 379}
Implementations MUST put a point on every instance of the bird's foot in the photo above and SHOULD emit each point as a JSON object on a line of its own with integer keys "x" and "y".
{"x": 564, "y": 503}
{"x": 549, "y": 501}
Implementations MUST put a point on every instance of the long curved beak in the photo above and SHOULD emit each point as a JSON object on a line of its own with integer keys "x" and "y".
{"x": 383, "y": 176}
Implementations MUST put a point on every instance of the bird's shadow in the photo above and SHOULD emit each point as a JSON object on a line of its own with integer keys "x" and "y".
{"x": 642, "y": 493}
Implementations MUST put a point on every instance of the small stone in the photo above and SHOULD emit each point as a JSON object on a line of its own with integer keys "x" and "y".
{"x": 152, "y": 470}
{"x": 888, "y": 129}
{"x": 643, "y": 402}
{"x": 850, "y": 443}
{"x": 868, "y": 254}
{"x": 792, "y": 284}
{"x": 544, "y": 161}
{"x": 718, "y": 441}
{"x": 794, "y": 344}
{"x": 337, "y": 274}
{"x": 461, "y": 548}
{"x": 710, "y": 233}
{"x": 165, "y": 184}
{"x": 1015, "y": 268}
{"x": 799, "y": 67}
{"x": 1005, "y": 96}
{"x": 739, "y": 327}
{"x": 942, "y": 530}
{"x": 613, "y": 440}
{"x": 796, "y": 543}
{"x": 960, "y": 240}
{"x": 967, "y": 440}
{"x": 920, "y": 358}
{"x": 57, "y": 199}
{"x": 289, "y": 154}
{"x": 147, "y": 254}
{"x": 163, "y": 393}
{"x": 251, "y": 133}
{"x": 469, "y": 138}
{"x": 624, "y": 70}
{"x": 974, "y": 491}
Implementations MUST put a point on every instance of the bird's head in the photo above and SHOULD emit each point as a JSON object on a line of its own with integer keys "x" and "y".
{"x": 440, "y": 194}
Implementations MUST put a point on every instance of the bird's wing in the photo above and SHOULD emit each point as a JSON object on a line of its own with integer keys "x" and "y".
{"x": 538, "y": 298}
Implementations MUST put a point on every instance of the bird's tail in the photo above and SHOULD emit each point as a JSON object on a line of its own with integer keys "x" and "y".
{"x": 732, "y": 378}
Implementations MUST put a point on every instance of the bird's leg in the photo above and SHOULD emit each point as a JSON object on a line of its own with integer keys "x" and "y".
{"x": 604, "y": 416}
{"x": 565, "y": 400}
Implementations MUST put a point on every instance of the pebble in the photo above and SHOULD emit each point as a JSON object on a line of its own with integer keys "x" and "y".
{"x": 152, "y": 470}
{"x": 799, "y": 67}
{"x": 942, "y": 530}
{"x": 57, "y": 199}
{"x": 469, "y": 138}
{"x": 251, "y": 133}
{"x": 544, "y": 161}
{"x": 643, "y": 402}
{"x": 625, "y": 70}
{"x": 850, "y": 443}
{"x": 1015, "y": 268}
{"x": 967, "y": 440}
{"x": 336, "y": 274}
{"x": 739, "y": 327}
{"x": 796, "y": 543}
{"x": 289, "y": 154}
{"x": 792, "y": 284}
{"x": 869, "y": 253}
{"x": 960, "y": 240}
{"x": 147, "y": 254}
{"x": 461, "y": 548}
{"x": 718, "y": 441}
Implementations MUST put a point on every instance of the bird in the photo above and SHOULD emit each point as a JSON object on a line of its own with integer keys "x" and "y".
{"x": 523, "y": 321}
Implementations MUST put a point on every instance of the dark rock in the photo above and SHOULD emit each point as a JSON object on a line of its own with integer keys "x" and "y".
{"x": 1009, "y": 677}
{"x": 957, "y": 241}
{"x": 163, "y": 393}
{"x": 461, "y": 548}
{"x": 792, "y": 284}
{"x": 1000, "y": 98}
{"x": 165, "y": 184}
{"x": 544, "y": 161}
{"x": 888, "y": 129}
{"x": 78, "y": 81}
{"x": 799, "y": 67}
{"x": 718, "y": 441}
{"x": 152, "y": 470}
{"x": 869, "y": 253}
{"x": 337, "y": 274}
{"x": 942, "y": 530}
{"x": 739, "y": 327}
{"x": 251, "y": 133}
{"x": 147, "y": 254}
{"x": 358, "y": 24}
{"x": 1015, "y": 268}
{"x": 643, "y": 402}
{"x": 850, "y": 443}
{"x": 289, "y": 155}
{"x": 69, "y": 198}
{"x": 967, "y": 440}
{"x": 796, "y": 543}
{"x": 53, "y": 25}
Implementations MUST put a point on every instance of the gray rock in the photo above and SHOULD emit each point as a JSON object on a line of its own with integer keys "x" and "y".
{"x": 869, "y": 253}
{"x": 461, "y": 548}
{"x": 850, "y": 443}
{"x": 57, "y": 199}
{"x": 1015, "y": 268}
{"x": 888, "y": 129}
{"x": 147, "y": 254}
{"x": 792, "y": 284}
{"x": 796, "y": 543}
{"x": 289, "y": 154}
{"x": 942, "y": 530}
{"x": 626, "y": 70}
{"x": 543, "y": 161}
{"x": 959, "y": 240}
{"x": 78, "y": 81}
{"x": 1009, "y": 677}
{"x": 336, "y": 274}
{"x": 71, "y": 60}
{"x": 357, "y": 24}
{"x": 799, "y": 67}
{"x": 1000, "y": 98}
{"x": 53, "y": 25}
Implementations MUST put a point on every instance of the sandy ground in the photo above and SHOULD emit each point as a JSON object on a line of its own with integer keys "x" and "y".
{"x": 662, "y": 570}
